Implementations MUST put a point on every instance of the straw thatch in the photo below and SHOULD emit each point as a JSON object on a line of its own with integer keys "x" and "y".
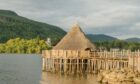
{"x": 75, "y": 40}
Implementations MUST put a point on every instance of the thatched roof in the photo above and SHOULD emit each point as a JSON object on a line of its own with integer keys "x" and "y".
{"x": 75, "y": 40}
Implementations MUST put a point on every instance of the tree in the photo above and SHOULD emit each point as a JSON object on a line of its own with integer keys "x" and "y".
{"x": 19, "y": 45}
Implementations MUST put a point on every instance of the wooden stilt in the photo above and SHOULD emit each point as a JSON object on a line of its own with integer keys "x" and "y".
{"x": 77, "y": 65}
{"x": 54, "y": 61}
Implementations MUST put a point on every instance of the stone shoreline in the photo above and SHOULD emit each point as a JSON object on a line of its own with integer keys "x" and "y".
{"x": 124, "y": 76}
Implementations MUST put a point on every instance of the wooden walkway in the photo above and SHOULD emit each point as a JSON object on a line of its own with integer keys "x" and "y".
{"x": 68, "y": 61}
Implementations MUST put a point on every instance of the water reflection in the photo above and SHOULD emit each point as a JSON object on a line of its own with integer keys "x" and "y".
{"x": 50, "y": 78}
{"x": 26, "y": 69}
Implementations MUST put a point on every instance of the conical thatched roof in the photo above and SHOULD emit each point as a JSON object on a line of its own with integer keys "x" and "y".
{"x": 75, "y": 40}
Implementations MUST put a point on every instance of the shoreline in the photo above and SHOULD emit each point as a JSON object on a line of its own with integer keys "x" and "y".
{"x": 124, "y": 76}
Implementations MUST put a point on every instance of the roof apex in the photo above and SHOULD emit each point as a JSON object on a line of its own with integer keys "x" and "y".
{"x": 76, "y": 27}
{"x": 75, "y": 40}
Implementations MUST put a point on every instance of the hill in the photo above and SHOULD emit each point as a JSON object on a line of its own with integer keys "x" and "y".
{"x": 12, "y": 26}
{"x": 100, "y": 37}
{"x": 133, "y": 40}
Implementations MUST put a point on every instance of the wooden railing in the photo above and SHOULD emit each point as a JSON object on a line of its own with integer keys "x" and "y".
{"x": 65, "y": 54}
{"x": 70, "y": 60}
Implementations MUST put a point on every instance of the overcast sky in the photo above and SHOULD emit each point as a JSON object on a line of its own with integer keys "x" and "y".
{"x": 119, "y": 18}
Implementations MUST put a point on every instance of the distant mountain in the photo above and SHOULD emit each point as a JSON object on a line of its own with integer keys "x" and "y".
{"x": 100, "y": 37}
{"x": 12, "y": 26}
{"x": 133, "y": 40}
{"x": 8, "y": 13}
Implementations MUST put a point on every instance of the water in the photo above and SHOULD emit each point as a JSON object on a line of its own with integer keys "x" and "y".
{"x": 20, "y": 69}
{"x": 26, "y": 69}
{"x": 49, "y": 78}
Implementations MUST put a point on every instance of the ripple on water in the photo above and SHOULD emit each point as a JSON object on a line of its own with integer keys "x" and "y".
{"x": 50, "y": 78}
{"x": 20, "y": 69}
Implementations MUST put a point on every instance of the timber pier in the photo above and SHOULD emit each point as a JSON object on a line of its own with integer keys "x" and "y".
{"x": 68, "y": 61}
{"x": 75, "y": 53}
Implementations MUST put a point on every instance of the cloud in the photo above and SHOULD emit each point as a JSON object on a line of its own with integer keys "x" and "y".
{"x": 118, "y": 18}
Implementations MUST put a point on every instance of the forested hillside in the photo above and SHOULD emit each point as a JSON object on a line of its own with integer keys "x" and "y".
{"x": 119, "y": 44}
{"x": 14, "y": 26}
{"x": 22, "y": 35}
{"x": 100, "y": 37}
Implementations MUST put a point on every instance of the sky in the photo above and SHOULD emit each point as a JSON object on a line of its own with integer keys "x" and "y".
{"x": 118, "y": 18}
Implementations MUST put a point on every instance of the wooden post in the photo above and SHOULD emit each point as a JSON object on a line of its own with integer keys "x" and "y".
{"x": 113, "y": 59}
{"x": 77, "y": 65}
{"x": 43, "y": 64}
{"x": 133, "y": 61}
{"x": 60, "y": 63}
{"x": 82, "y": 65}
{"x": 70, "y": 66}
{"x": 65, "y": 65}
{"x": 138, "y": 67}
{"x": 121, "y": 60}
{"x": 46, "y": 64}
